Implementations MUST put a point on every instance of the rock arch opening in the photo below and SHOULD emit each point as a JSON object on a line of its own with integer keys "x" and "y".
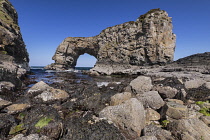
{"x": 86, "y": 60}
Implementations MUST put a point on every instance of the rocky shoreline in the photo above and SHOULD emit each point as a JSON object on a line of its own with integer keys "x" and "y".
{"x": 151, "y": 106}
{"x": 134, "y": 92}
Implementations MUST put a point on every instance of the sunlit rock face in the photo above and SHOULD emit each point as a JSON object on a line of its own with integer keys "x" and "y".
{"x": 11, "y": 42}
{"x": 147, "y": 41}
{"x": 13, "y": 54}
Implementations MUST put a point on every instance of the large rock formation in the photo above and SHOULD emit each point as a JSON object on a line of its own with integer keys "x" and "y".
{"x": 13, "y": 54}
{"x": 148, "y": 40}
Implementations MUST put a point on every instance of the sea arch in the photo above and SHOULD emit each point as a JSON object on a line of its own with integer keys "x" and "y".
{"x": 71, "y": 48}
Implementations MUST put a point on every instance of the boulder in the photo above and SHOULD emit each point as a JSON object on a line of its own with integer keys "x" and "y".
{"x": 52, "y": 95}
{"x": 141, "y": 84}
{"x": 119, "y": 98}
{"x": 159, "y": 133}
{"x": 196, "y": 83}
{"x": 151, "y": 99}
{"x": 16, "y": 108}
{"x": 151, "y": 115}
{"x": 39, "y": 87}
{"x": 166, "y": 91}
{"x": 129, "y": 117}
{"x": 186, "y": 129}
{"x": 174, "y": 110}
{"x": 43, "y": 91}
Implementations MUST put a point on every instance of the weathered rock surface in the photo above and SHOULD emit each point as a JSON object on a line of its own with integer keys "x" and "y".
{"x": 13, "y": 54}
{"x": 159, "y": 133}
{"x": 129, "y": 117}
{"x": 174, "y": 110}
{"x": 15, "y": 108}
{"x": 151, "y": 99}
{"x": 120, "y": 98}
{"x": 151, "y": 115}
{"x": 141, "y": 84}
{"x": 194, "y": 83}
{"x": 148, "y": 40}
{"x": 166, "y": 91}
{"x": 187, "y": 129}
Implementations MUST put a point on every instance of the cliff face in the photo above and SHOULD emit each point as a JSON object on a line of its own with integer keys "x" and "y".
{"x": 13, "y": 54}
{"x": 147, "y": 41}
{"x": 11, "y": 42}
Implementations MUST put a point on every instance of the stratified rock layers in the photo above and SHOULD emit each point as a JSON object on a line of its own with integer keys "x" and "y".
{"x": 148, "y": 40}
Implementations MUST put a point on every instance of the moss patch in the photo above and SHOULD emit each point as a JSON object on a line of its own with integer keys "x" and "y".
{"x": 199, "y": 102}
{"x": 205, "y": 111}
{"x": 43, "y": 122}
{"x": 3, "y": 52}
{"x": 17, "y": 129}
{"x": 165, "y": 123}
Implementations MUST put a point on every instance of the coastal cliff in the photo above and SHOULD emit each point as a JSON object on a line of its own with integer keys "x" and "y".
{"x": 147, "y": 41}
{"x": 13, "y": 54}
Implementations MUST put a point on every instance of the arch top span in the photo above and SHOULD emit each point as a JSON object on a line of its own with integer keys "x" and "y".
{"x": 71, "y": 48}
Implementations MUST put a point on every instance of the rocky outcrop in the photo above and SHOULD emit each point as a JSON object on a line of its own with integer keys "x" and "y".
{"x": 11, "y": 42}
{"x": 13, "y": 54}
{"x": 148, "y": 40}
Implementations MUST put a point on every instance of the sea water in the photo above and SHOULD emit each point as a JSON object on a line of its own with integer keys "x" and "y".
{"x": 38, "y": 73}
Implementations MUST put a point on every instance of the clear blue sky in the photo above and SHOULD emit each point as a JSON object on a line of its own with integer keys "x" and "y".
{"x": 46, "y": 23}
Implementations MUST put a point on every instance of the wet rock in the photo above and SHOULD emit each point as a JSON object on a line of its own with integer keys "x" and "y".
{"x": 152, "y": 115}
{"x": 16, "y": 108}
{"x": 6, "y": 122}
{"x": 151, "y": 99}
{"x": 194, "y": 83}
{"x": 52, "y": 95}
{"x": 174, "y": 110}
{"x": 119, "y": 98}
{"x": 198, "y": 94}
{"x": 166, "y": 91}
{"x": 39, "y": 87}
{"x": 81, "y": 125}
{"x": 47, "y": 93}
{"x": 42, "y": 119}
{"x": 141, "y": 84}
{"x": 129, "y": 117}
{"x": 185, "y": 129}
{"x": 159, "y": 133}
{"x": 30, "y": 137}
